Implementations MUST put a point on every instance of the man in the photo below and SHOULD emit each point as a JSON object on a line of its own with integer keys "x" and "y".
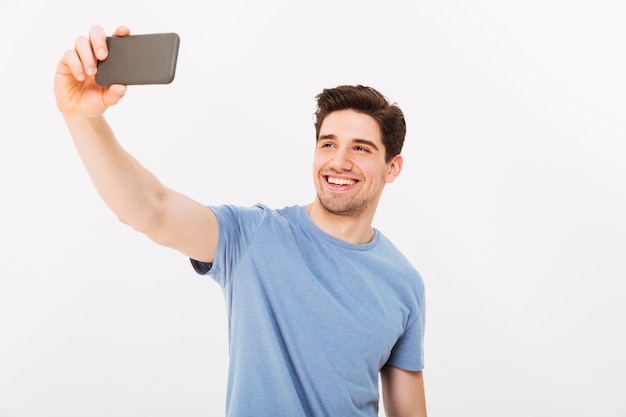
{"x": 319, "y": 303}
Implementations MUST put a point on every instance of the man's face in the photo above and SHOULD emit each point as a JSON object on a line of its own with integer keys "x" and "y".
{"x": 349, "y": 168}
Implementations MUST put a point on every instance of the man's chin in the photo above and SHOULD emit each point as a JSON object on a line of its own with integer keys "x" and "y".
{"x": 342, "y": 208}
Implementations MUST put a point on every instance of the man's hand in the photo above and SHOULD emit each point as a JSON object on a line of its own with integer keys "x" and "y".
{"x": 75, "y": 86}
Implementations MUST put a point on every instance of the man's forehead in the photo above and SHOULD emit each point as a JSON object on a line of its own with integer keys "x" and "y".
{"x": 352, "y": 125}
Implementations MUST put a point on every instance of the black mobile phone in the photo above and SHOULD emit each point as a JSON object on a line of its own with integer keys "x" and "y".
{"x": 139, "y": 59}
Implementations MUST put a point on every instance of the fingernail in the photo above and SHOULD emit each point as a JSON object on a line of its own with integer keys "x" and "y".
{"x": 100, "y": 53}
{"x": 80, "y": 77}
{"x": 91, "y": 70}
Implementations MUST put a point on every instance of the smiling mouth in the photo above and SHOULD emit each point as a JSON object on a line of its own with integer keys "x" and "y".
{"x": 340, "y": 181}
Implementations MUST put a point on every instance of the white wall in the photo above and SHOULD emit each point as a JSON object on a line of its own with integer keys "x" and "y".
{"x": 511, "y": 203}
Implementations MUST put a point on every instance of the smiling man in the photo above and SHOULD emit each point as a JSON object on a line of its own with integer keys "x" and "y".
{"x": 351, "y": 166}
{"x": 320, "y": 304}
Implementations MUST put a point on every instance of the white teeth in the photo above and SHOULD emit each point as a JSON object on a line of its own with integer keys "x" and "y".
{"x": 341, "y": 181}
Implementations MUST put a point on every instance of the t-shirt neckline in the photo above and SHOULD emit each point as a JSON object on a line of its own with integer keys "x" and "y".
{"x": 313, "y": 228}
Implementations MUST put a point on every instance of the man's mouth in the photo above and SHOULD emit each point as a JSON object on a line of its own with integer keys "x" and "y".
{"x": 340, "y": 181}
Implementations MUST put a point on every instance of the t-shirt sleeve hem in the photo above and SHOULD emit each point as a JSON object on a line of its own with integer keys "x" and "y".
{"x": 406, "y": 364}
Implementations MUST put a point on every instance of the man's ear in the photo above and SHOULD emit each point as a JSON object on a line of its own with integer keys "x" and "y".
{"x": 395, "y": 167}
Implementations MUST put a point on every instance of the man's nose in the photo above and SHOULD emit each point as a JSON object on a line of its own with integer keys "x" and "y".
{"x": 341, "y": 160}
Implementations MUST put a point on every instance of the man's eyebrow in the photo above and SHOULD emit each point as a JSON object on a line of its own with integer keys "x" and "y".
{"x": 366, "y": 142}
{"x": 328, "y": 136}
{"x": 356, "y": 140}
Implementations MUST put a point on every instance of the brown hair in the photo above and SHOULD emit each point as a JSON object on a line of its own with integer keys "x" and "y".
{"x": 368, "y": 101}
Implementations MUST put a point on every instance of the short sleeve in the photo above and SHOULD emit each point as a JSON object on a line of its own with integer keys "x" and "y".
{"x": 237, "y": 228}
{"x": 408, "y": 352}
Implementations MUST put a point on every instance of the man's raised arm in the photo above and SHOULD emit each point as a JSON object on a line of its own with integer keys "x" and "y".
{"x": 131, "y": 191}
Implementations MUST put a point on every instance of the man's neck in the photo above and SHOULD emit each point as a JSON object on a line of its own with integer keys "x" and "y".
{"x": 357, "y": 230}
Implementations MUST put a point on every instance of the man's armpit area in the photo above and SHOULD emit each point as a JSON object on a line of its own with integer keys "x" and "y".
{"x": 201, "y": 268}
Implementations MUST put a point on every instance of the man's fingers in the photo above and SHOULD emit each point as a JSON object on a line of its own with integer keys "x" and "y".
{"x": 98, "y": 40}
{"x": 86, "y": 64}
{"x": 121, "y": 31}
{"x": 82, "y": 61}
{"x": 113, "y": 94}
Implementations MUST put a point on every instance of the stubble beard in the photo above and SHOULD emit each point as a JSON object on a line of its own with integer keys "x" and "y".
{"x": 343, "y": 207}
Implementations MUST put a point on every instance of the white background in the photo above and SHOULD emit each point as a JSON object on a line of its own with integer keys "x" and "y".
{"x": 511, "y": 204}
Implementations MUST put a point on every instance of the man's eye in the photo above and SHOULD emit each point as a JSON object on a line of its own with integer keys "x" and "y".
{"x": 361, "y": 149}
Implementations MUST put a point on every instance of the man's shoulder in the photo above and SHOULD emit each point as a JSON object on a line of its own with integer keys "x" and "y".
{"x": 258, "y": 208}
{"x": 397, "y": 258}
{"x": 256, "y": 214}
